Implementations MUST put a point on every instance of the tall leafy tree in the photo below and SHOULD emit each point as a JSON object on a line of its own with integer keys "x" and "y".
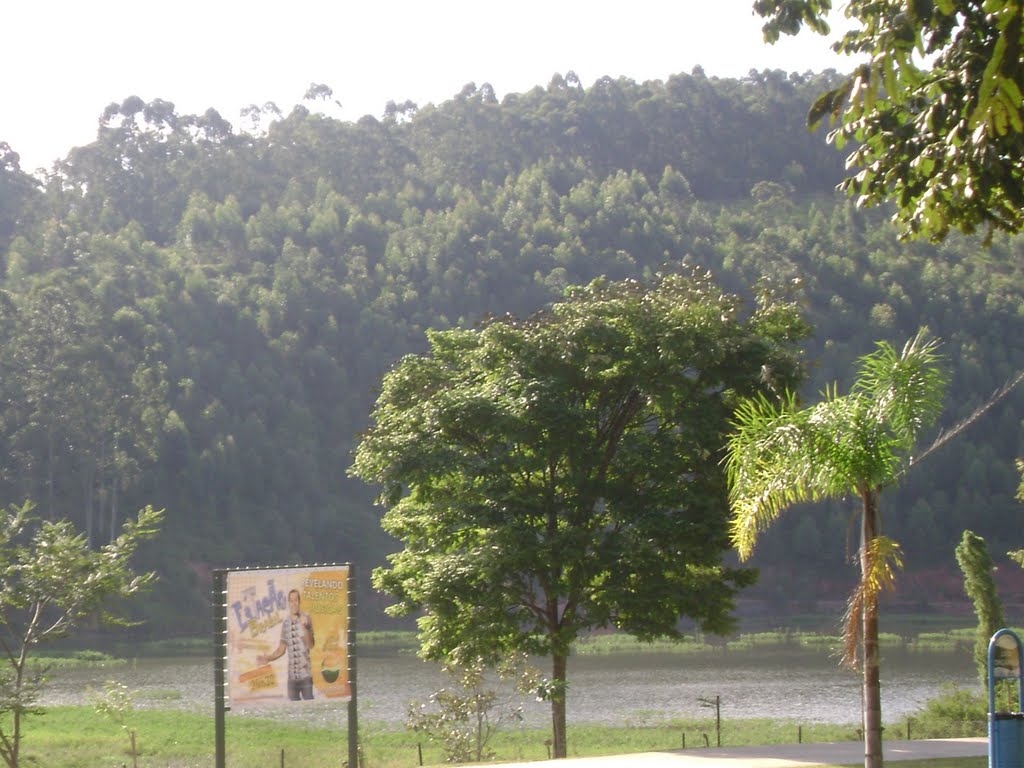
{"x": 563, "y": 473}
{"x": 935, "y": 109}
{"x": 973, "y": 558}
{"x": 858, "y": 443}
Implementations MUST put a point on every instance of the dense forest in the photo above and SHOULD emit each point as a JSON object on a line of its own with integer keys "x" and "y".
{"x": 196, "y": 315}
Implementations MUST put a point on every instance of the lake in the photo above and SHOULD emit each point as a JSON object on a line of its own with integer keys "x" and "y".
{"x": 634, "y": 689}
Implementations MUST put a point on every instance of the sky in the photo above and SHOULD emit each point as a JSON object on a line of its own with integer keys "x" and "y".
{"x": 66, "y": 60}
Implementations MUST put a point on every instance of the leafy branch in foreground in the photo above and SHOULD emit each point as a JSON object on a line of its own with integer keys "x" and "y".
{"x": 934, "y": 111}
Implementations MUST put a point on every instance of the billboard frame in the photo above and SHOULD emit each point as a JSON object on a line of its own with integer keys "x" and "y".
{"x": 219, "y": 604}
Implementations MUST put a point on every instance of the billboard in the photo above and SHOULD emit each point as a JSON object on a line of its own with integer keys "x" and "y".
{"x": 287, "y": 635}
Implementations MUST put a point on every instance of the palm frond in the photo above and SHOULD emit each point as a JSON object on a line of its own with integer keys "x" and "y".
{"x": 906, "y": 388}
{"x": 777, "y": 456}
{"x": 883, "y": 558}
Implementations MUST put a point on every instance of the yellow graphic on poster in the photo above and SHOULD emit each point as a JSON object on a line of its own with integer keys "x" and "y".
{"x": 287, "y": 635}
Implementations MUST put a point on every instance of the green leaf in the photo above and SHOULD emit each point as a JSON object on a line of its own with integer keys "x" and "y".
{"x": 988, "y": 86}
{"x": 1012, "y": 99}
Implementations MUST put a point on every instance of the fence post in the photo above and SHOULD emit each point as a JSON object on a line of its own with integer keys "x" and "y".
{"x": 717, "y": 704}
{"x": 718, "y": 719}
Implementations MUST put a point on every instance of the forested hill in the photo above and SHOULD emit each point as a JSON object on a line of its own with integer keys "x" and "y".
{"x": 196, "y": 315}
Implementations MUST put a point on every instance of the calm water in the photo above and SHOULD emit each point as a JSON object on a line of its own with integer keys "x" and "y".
{"x": 635, "y": 688}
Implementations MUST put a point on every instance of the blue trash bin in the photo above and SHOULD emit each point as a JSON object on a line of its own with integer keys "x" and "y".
{"x": 1005, "y": 729}
{"x": 1005, "y": 739}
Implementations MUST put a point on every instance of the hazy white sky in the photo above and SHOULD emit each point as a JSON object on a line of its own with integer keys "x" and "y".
{"x": 65, "y": 60}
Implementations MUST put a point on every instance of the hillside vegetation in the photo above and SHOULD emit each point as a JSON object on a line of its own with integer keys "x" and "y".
{"x": 197, "y": 316}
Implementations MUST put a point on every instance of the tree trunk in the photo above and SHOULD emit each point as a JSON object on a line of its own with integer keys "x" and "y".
{"x": 115, "y": 481}
{"x": 872, "y": 693}
{"x": 88, "y": 477}
{"x": 12, "y": 744}
{"x": 558, "y": 740}
{"x": 50, "y": 453}
{"x": 113, "y": 507}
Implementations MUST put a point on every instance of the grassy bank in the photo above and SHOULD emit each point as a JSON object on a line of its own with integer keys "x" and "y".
{"x": 924, "y": 638}
{"x": 949, "y": 640}
{"x": 946, "y": 641}
{"x": 77, "y": 737}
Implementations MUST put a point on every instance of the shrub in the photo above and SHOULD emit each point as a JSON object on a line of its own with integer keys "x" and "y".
{"x": 466, "y": 715}
{"x": 954, "y": 713}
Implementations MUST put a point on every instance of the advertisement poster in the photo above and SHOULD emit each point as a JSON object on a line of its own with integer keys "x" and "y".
{"x": 1005, "y": 657}
{"x": 287, "y": 635}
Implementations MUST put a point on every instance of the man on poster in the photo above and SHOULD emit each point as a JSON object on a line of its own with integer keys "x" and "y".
{"x": 297, "y": 640}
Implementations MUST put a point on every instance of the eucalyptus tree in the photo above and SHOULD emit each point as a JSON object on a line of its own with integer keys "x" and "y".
{"x": 44, "y": 391}
{"x": 563, "y": 473}
{"x": 855, "y": 444}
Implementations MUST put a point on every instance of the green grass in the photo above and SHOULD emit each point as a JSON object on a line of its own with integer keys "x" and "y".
{"x": 171, "y": 646}
{"x": 77, "y": 737}
{"x": 65, "y": 659}
{"x": 388, "y": 638}
{"x": 202, "y": 646}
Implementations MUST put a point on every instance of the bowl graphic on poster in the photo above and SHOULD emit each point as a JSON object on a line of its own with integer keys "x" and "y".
{"x": 330, "y": 668}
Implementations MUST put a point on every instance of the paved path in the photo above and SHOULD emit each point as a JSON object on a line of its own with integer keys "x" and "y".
{"x": 777, "y": 755}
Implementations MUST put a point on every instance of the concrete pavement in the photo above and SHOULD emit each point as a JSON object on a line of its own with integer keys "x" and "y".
{"x": 776, "y": 755}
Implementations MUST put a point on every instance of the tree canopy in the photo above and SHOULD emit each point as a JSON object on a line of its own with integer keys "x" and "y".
{"x": 563, "y": 473}
{"x": 934, "y": 107}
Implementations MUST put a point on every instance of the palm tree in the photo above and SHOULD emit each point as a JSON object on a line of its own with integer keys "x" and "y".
{"x": 780, "y": 455}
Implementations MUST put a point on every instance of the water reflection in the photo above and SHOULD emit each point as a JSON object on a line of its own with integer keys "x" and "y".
{"x": 625, "y": 688}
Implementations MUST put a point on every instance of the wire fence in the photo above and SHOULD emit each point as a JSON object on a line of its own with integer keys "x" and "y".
{"x": 731, "y": 734}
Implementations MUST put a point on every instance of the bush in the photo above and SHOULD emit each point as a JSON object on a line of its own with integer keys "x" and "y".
{"x": 955, "y": 713}
{"x": 465, "y": 716}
